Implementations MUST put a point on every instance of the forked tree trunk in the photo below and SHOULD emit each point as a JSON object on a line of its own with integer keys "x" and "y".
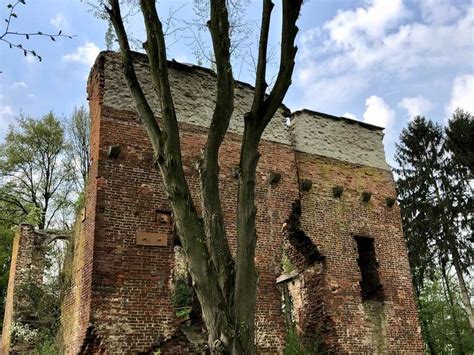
{"x": 227, "y": 293}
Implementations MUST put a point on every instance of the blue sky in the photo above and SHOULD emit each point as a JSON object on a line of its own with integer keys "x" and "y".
{"x": 379, "y": 61}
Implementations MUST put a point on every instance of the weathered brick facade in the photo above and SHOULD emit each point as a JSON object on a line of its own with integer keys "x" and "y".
{"x": 120, "y": 298}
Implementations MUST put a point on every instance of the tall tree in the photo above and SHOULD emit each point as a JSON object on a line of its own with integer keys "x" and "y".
{"x": 459, "y": 207}
{"x": 226, "y": 288}
{"x": 436, "y": 203}
{"x": 419, "y": 163}
{"x": 34, "y": 173}
{"x": 418, "y": 159}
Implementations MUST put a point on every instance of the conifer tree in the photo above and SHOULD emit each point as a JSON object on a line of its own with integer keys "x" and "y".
{"x": 436, "y": 203}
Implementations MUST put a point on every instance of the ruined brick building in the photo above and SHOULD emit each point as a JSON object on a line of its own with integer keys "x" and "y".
{"x": 325, "y": 197}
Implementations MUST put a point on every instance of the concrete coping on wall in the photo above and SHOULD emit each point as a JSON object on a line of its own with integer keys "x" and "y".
{"x": 337, "y": 118}
{"x": 340, "y": 138}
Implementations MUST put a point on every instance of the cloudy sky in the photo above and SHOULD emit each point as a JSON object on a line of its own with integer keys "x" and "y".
{"x": 378, "y": 61}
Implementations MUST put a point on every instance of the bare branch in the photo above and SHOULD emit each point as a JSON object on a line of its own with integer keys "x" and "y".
{"x": 260, "y": 82}
{"x": 209, "y": 169}
{"x": 13, "y": 44}
{"x": 291, "y": 10}
{"x": 156, "y": 49}
{"x": 141, "y": 102}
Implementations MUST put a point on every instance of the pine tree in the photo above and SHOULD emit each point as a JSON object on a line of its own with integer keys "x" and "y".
{"x": 418, "y": 156}
{"x": 458, "y": 196}
{"x": 435, "y": 194}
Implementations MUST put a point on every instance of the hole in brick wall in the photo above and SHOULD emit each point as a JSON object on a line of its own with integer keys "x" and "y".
{"x": 163, "y": 217}
{"x": 183, "y": 295}
{"x": 299, "y": 239}
{"x": 370, "y": 285}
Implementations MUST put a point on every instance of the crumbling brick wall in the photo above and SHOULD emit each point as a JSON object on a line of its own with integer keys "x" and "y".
{"x": 120, "y": 300}
{"x": 24, "y": 247}
{"x": 332, "y": 223}
{"x": 27, "y": 268}
{"x": 129, "y": 304}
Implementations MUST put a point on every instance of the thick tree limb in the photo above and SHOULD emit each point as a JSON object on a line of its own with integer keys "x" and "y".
{"x": 260, "y": 81}
{"x": 209, "y": 167}
{"x": 144, "y": 109}
{"x": 291, "y": 10}
{"x": 255, "y": 123}
{"x": 167, "y": 149}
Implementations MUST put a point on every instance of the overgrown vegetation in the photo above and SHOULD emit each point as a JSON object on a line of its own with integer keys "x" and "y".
{"x": 182, "y": 298}
{"x": 287, "y": 265}
{"x": 296, "y": 344}
{"x": 41, "y": 176}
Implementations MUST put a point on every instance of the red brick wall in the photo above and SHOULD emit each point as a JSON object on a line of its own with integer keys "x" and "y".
{"x": 76, "y": 305}
{"x": 121, "y": 299}
{"x": 332, "y": 223}
{"x": 131, "y": 304}
{"x": 24, "y": 245}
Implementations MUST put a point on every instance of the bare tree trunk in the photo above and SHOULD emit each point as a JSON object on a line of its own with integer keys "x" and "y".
{"x": 246, "y": 275}
{"x": 227, "y": 301}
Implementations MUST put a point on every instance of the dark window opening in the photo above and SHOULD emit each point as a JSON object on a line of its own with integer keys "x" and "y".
{"x": 370, "y": 285}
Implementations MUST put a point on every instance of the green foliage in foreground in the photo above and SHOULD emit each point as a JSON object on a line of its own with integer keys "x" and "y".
{"x": 443, "y": 320}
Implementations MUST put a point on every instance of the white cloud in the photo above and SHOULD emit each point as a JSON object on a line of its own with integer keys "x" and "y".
{"x": 349, "y": 115}
{"x": 18, "y": 84}
{"x": 6, "y": 118}
{"x": 58, "y": 21}
{"x": 438, "y": 11}
{"x": 351, "y": 26}
{"x": 326, "y": 91}
{"x": 415, "y": 106}
{"x": 85, "y": 54}
{"x": 378, "y": 112}
{"x": 462, "y": 94}
{"x": 380, "y": 41}
{"x": 5, "y": 111}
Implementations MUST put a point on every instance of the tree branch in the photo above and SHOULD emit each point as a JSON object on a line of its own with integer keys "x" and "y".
{"x": 260, "y": 81}
{"x": 209, "y": 167}
{"x": 291, "y": 10}
{"x": 144, "y": 109}
{"x": 168, "y": 152}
